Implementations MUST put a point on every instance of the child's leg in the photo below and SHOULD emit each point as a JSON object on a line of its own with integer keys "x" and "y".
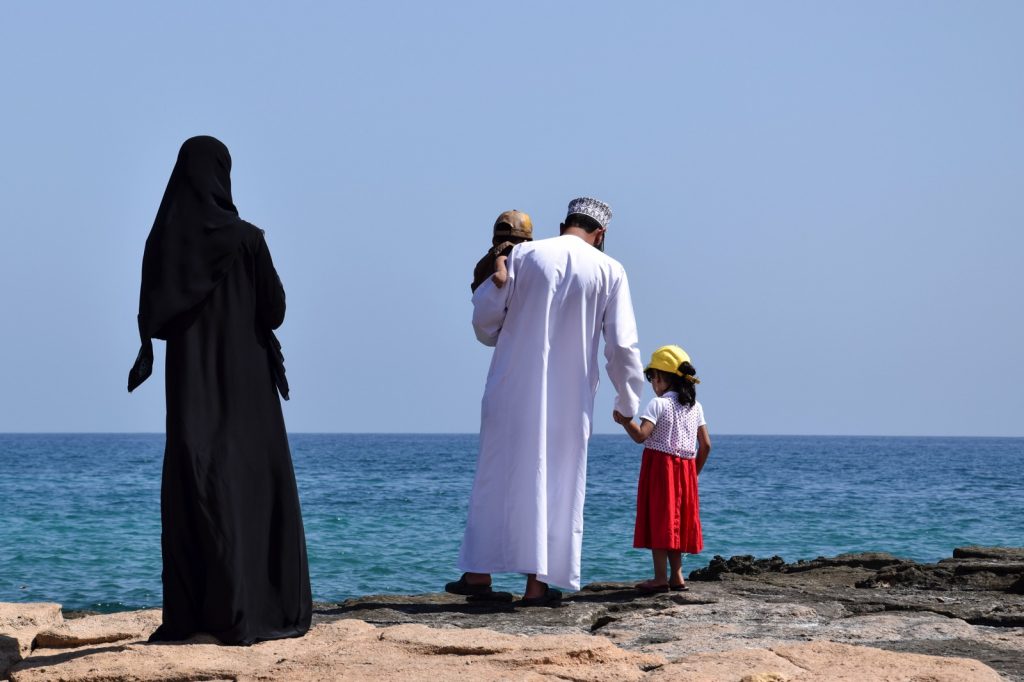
{"x": 660, "y": 576}
{"x": 675, "y": 561}
{"x": 660, "y": 579}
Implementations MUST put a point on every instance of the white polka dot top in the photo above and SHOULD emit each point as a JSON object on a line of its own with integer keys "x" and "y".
{"x": 675, "y": 425}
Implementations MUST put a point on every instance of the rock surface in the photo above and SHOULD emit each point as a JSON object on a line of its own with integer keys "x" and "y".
{"x": 822, "y": 661}
{"x": 99, "y": 629}
{"x": 839, "y": 618}
{"x": 19, "y": 624}
{"x": 748, "y": 603}
{"x": 351, "y": 649}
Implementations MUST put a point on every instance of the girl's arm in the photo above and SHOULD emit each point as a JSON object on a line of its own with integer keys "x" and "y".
{"x": 703, "y": 447}
{"x": 638, "y": 432}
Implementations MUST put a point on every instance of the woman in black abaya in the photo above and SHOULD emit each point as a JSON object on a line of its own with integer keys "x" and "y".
{"x": 234, "y": 549}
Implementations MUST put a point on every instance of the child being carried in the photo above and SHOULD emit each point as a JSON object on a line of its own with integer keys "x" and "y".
{"x": 511, "y": 228}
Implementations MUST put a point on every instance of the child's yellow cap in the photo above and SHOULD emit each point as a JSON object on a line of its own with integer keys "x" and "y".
{"x": 668, "y": 359}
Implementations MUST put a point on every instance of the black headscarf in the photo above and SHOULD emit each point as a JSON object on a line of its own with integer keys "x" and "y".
{"x": 191, "y": 247}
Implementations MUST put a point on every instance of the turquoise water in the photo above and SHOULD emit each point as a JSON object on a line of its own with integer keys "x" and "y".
{"x": 80, "y": 522}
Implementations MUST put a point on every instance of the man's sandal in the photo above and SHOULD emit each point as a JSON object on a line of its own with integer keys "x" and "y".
{"x": 467, "y": 589}
{"x": 551, "y": 597}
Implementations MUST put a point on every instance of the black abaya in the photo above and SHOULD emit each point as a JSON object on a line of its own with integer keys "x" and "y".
{"x": 234, "y": 550}
{"x": 233, "y": 543}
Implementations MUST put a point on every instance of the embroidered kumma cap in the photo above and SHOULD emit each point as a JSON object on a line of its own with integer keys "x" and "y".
{"x": 513, "y": 224}
{"x": 592, "y": 208}
{"x": 668, "y": 359}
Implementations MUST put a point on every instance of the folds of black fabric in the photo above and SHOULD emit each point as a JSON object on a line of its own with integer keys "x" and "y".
{"x": 233, "y": 543}
{"x": 234, "y": 549}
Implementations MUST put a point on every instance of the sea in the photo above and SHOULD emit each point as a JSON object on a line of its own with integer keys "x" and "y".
{"x": 384, "y": 513}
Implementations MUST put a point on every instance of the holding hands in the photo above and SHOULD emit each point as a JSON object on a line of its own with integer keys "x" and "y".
{"x": 638, "y": 432}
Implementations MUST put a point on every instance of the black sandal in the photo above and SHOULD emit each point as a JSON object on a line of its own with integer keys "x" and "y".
{"x": 551, "y": 597}
{"x": 466, "y": 589}
{"x": 679, "y": 588}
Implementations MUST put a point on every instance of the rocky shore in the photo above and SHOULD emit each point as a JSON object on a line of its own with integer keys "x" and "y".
{"x": 868, "y": 616}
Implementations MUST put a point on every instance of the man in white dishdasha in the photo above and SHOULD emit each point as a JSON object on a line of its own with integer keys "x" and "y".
{"x": 526, "y": 508}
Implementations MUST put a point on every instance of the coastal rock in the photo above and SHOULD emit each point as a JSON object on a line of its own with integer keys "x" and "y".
{"x": 99, "y": 629}
{"x": 842, "y": 663}
{"x": 1009, "y": 554}
{"x": 822, "y": 661}
{"x": 983, "y": 590}
{"x": 871, "y": 560}
{"x": 721, "y": 568}
{"x": 746, "y": 565}
{"x": 576, "y": 657}
{"x": 761, "y": 620}
{"x": 19, "y": 624}
{"x": 764, "y": 608}
{"x": 985, "y": 569}
{"x": 351, "y": 649}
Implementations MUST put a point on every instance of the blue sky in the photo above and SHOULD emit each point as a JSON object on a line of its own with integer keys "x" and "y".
{"x": 821, "y": 202}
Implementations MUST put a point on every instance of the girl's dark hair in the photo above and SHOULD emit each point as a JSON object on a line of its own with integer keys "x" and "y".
{"x": 685, "y": 389}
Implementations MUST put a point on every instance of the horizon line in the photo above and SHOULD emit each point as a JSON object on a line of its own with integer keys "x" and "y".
{"x": 476, "y": 433}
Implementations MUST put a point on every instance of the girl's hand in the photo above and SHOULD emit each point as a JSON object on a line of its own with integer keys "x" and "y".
{"x": 638, "y": 432}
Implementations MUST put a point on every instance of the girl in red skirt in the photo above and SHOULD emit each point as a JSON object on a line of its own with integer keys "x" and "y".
{"x": 676, "y": 446}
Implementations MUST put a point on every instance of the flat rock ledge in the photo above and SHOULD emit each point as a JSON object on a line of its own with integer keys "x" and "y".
{"x": 850, "y": 617}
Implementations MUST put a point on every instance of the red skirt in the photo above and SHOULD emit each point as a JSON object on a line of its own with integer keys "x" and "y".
{"x": 667, "y": 504}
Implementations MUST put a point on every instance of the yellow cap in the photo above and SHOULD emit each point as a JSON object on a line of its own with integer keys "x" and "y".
{"x": 668, "y": 359}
